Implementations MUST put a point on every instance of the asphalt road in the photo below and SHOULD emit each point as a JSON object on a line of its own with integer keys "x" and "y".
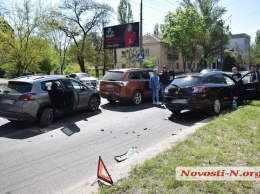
{"x": 51, "y": 160}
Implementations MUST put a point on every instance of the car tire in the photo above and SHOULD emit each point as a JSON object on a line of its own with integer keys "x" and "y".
{"x": 137, "y": 98}
{"x": 93, "y": 103}
{"x": 175, "y": 111}
{"x": 47, "y": 117}
{"x": 215, "y": 107}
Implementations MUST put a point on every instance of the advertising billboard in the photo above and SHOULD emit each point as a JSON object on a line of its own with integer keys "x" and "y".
{"x": 121, "y": 36}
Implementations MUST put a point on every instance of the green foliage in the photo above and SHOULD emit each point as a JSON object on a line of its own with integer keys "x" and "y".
{"x": 149, "y": 63}
{"x": 183, "y": 31}
{"x": 255, "y": 50}
{"x": 229, "y": 61}
{"x": 157, "y": 31}
{"x": 124, "y": 12}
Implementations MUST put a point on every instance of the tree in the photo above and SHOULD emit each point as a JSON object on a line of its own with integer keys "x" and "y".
{"x": 80, "y": 17}
{"x": 182, "y": 32}
{"x": 255, "y": 50}
{"x": 22, "y": 46}
{"x": 215, "y": 33}
{"x": 156, "y": 30}
{"x": 124, "y": 12}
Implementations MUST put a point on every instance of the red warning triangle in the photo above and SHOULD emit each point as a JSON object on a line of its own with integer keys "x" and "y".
{"x": 103, "y": 173}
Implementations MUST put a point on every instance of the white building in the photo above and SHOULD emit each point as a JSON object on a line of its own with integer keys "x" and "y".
{"x": 239, "y": 42}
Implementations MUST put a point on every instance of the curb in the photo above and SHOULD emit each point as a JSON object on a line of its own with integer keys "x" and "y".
{"x": 122, "y": 170}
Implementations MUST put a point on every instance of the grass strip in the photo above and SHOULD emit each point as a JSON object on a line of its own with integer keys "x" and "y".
{"x": 231, "y": 139}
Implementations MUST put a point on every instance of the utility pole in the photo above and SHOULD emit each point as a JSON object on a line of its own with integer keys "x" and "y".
{"x": 141, "y": 33}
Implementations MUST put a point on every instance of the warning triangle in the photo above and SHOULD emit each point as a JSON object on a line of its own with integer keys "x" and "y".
{"x": 103, "y": 173}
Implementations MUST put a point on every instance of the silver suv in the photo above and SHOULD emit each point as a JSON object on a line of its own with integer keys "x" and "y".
{"x": 41, "y": 98}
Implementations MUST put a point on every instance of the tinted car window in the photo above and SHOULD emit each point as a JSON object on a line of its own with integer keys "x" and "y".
{"x": 134, "y": 75}
{"x": 186, "y": 81}
{"x": 21, "y": 87}
{"x": 144, "y": 75}
{"x": 113, "y": 76}
{"x": 217, "y": 79}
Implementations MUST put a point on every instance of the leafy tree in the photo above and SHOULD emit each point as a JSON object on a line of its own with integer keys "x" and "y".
{"x": 22, "y": 47}
{"x": 182, "y": 32}
{"x": 80, "y": 17}
{"x": 156, "y": 30}
{"x": 124, "y": 12}
{"x": 215, "y": 33}
{"x": 255, "y": 50}
{"x": 229, "y": 61}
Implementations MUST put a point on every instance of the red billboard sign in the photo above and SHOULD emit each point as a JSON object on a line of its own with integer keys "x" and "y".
{"x": 121, "y": 36}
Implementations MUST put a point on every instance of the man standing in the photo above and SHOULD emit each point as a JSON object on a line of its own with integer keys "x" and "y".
{"x": 254, "y": 74}
{"x": 164, "y": 80}
{"x": 237, "y": 76}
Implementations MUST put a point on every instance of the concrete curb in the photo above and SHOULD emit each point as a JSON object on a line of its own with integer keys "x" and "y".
{"x": 122, "y": 170}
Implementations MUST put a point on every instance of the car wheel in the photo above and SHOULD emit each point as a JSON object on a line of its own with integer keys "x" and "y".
{"x": 47, "y": 117}
{"x": 94, "y": 103}
{"x": 137, "y": 98}
{"x": 215, "y": 107}
{"x": 175, "y": 111}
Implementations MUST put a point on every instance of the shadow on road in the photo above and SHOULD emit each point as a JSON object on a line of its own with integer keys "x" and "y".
{"x": 188, "y": 118}
{"x": 18, "y": 130}
{"x": 126, "y": 106}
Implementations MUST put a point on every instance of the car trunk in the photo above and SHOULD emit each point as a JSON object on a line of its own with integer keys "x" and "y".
{"x": 9, "y": 98}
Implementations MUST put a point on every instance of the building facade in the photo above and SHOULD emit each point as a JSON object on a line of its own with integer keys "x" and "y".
{"x": 152, "y": 47}
{"x": 239, "y": 42}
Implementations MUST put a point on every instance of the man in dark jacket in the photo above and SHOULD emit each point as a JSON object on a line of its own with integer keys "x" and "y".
{"x": 164, "y": 80}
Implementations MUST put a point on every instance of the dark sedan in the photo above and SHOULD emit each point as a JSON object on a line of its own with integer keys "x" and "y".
{"x": 210, "y": 92}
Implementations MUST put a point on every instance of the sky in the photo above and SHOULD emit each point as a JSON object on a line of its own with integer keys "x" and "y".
{"x": 242, "y": 16}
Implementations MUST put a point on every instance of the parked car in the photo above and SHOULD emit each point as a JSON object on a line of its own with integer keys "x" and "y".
{"x": 126, "y": 84}
{"x": 85, "y": 78}
{"x": 209, "y": 92}
{"x": 41, "y": 98}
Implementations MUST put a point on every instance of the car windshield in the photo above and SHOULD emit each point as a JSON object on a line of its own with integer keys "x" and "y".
{"x": 113, "y": 76}
{"x": 83, "y": 75}
{"x": 20, "y": 87}
{"x": 186, "y": 81}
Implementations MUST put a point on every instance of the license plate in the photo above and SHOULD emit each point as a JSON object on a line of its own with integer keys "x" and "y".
{"x": 6, "y": 101}
{"x": 109, "y": 86}
{"x": 181, "y": 101}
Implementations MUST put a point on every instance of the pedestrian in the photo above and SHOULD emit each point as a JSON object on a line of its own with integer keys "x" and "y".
{"x": 164, "y": 81}
{"x": 155, "y": 86}
{"x": 254, "y": 74}
{"x": 236, "y": 75}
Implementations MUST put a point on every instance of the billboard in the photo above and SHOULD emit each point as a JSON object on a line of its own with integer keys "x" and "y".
{"x": 121, "y": 36}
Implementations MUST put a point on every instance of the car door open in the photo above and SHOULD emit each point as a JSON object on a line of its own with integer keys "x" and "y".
{"x": 248, "y": 90}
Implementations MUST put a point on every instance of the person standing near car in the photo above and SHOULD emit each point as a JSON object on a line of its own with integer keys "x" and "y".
{"x": 236, "y": 75}
{"x": 164, "y": 80}
{"x": 155, "y": 86}
{"x": 254, "y": 74}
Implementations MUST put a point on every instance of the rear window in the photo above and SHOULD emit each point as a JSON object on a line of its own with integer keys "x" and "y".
{"x": 20, "y": 87}
{"x": 113, "y": 76}
{"x": 186, "y": 81}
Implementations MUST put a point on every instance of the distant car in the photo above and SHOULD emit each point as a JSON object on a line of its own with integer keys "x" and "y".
{"x": 209, "y": 91}
{"x": 126, "y": 84}
{"x": 208, "y": 70}
{"x": 41, "y": 98}
{"x": 85, "y": 78}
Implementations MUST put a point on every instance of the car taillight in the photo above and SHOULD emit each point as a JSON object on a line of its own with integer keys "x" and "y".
{"x": 200, "y": 89}
{"x": 122, "y": 83}
{"x": 26, "y": 97}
